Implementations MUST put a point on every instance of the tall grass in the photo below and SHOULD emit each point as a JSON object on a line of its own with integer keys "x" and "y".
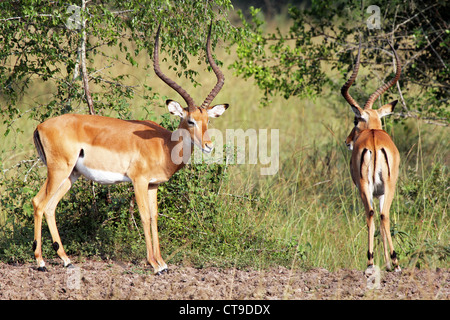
{"x": 308, "y": 214}
{"x": 312, "y": 202}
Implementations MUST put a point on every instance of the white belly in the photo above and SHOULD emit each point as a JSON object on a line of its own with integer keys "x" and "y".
{"x": 100, "y": 176}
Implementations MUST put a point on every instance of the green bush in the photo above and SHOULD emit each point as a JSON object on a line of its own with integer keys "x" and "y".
{"x": 102, "y": 220}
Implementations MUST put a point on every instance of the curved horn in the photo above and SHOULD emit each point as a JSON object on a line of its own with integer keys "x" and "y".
{"x": 348, "y": 84}
{"x": 219, "y": 74}
{"x": 386, "y": 86}
{"x": 166, "y": 79}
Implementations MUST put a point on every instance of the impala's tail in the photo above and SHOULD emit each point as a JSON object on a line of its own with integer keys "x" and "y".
{"x": 39, "y": 147}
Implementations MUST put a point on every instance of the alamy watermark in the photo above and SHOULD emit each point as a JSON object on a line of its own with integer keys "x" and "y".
{"x": 241, "y": 147}
{"x": 373, "y": 22}
{"x": 74, "y": 21}
{"x": 373, "y": 274}
{"x": 73, "y": 280}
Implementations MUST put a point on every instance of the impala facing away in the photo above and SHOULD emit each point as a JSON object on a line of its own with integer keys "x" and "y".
{"x": 110, "y": 151}
{"x": 375, "y": 161}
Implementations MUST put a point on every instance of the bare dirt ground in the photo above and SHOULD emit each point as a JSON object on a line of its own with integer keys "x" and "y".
{"x": 115, "y": 280}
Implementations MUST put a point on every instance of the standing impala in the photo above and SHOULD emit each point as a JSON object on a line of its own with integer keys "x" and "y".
{"x": 375, "y": 161}
{"x": 111, "y": 151}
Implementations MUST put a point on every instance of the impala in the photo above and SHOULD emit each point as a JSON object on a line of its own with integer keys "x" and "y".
{"x": 110, "y": 151}
{"x": 374, "y": 161}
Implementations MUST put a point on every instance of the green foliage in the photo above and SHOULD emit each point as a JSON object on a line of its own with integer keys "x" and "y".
{"x": 291, "y": 63}
{"x": 276, "y": 66}
{"x": 422, "y": 193}
{"x": 425, "y": 200}
{"x": 103, "y": 220}
{"x": 41, "y": 43}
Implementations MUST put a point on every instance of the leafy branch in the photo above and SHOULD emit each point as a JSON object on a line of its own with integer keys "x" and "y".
{"x": 325, "y": 34}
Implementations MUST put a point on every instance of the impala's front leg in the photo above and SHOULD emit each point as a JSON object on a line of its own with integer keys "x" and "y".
{"x": 141, "y": 189}
{"x": 153, "y": 200}
{"x": 38, "y": 215}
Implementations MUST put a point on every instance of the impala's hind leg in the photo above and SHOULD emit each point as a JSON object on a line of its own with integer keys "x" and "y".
{"x": 385, "y": 230}
{"x": 45, "y": 202}
{"x": 38, "y": 213}
{"x": 366, "y": 198}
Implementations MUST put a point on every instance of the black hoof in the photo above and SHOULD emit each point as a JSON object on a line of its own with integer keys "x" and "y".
{"x": 70, "y": 266}
{"x": 162, "y": 272}
{"x": 43, "y": 269}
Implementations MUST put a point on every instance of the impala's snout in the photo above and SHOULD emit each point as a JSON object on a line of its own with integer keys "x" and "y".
{"x": 209, "y": 146}
{"x": 349, "y": 145}
{"x": 350, "y": 139}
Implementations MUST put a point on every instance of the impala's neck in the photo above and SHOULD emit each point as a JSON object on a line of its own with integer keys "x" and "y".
{"x": 366, "y": 120}
{"x": 180, "y": 149}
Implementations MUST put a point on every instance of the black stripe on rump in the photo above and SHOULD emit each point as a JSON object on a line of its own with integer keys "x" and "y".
{"x": 363, "y": 153}
{"x": 387, "y": 161}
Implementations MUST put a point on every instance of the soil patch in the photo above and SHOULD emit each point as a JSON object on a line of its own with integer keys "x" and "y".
{"x": 116, "y": 280}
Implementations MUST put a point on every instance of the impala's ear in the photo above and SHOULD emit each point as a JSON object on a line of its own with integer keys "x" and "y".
{"x": 359, "y": 113}
{"x": 217, "y": 110}
{"x": 387, "y": 109}
{"x": 175, "y": 108}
